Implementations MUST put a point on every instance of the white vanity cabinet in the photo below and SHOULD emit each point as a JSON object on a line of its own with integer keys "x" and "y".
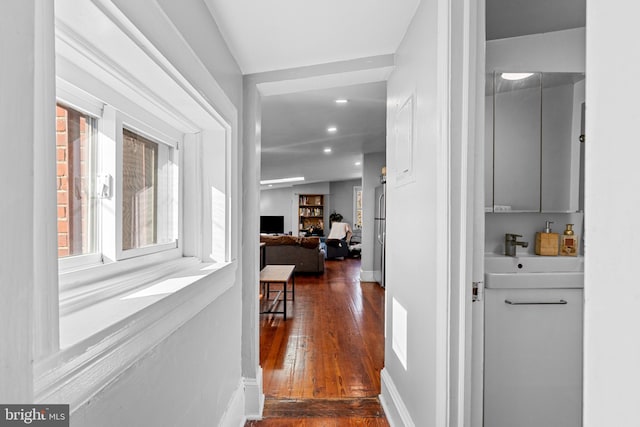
{"x": 533, "y": 357}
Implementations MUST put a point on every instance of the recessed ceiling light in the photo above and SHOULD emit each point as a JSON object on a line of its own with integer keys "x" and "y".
{"x": 357, "y": 163}
{"x": 270, "y": 185}
{"x": 341, "y": 101}
{"x": 332, "y": 129}
{"x": 327, "y": 150}
{"x": 515, "y": 76}
{"x": 281, "y": 180}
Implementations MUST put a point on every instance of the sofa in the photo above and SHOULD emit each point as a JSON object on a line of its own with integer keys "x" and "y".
{"x": 303, "y": 252}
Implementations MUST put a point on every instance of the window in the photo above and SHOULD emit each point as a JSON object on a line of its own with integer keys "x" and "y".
{"x": 112, "y": 206}
{"x": 75, "y": 164}
{"x": 147, "y": 210}
{"x": 357, "y": 207}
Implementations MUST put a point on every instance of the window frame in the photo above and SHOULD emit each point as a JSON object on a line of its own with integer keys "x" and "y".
{"x": 126, "y": 121}
{"x": 70, "y": 97}
{"x": 108, "y": 162}
{"x": 356, "y": 189}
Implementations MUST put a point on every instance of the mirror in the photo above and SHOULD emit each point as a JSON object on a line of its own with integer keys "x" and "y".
{"x": 534, "y": 121}
{"x": 517, "y": 104}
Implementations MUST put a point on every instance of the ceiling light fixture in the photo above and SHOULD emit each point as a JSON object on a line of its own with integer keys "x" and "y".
{"x": 332, "y": 129}
{"x": 341, "y": 101}
{"x": 357, "y": 163}
{"x": 515, "y": 76}
{"x": 281, "y": 180}
{"x": 327, "y": 150}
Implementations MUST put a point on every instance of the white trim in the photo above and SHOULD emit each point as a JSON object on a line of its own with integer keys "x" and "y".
{"x": 78, "y": 99}
{"x": 367, "y": 276}
{"x": 253, "y": 396}
{"x": 74, "y": 375}
{"x": 443, "y": 223}
{"x": 394, "y": 408}
{"x": 233, "y": 415}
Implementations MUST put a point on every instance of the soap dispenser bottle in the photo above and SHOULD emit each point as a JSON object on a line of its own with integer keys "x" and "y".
{"x": 547, "y": 241}
{"x": 569, "y": 242}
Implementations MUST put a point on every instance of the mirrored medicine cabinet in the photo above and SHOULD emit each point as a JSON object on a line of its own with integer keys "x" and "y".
{"x": 533, "y": 128}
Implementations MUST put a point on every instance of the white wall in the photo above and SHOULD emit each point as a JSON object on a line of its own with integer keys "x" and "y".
{"x": 284, "y": 201}
{"x": 187, "y": 380}
{"x": 341, "y": 199}
{"x": 372, "y": 169}
{"x": 280, "y": 202}
{"x": 612, "y": 203}
{"x": 553, "y": 51}
{"x": 413, "y": 255}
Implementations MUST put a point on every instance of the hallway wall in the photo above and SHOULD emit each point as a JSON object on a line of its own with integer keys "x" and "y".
{"x": 414, "y": 284}
{"x": 191, "y": 377}
{"x": 611, "y": 315}
{"x": 187, "y": 380}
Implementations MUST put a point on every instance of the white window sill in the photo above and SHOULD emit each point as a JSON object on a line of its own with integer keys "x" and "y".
{"x": 128, "y": 315}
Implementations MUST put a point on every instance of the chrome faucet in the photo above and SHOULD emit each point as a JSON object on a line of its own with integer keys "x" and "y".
{"x": 510, "y": 243}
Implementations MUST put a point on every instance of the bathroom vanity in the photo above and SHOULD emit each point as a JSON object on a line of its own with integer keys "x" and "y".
{"x": 533, "y": 341}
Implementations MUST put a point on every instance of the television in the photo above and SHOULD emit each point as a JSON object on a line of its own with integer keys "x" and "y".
{"x": 270, "y": 224}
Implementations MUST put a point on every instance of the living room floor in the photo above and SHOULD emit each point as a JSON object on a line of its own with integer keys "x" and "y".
{"x": 321, "y": 367}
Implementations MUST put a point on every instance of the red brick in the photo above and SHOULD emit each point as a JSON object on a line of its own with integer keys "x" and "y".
{"x": 61, "y": 154}
{"x": 61, "y": 111}
{"x": 62, "y": 252}
{"x": 61, "y": 139}
{"x": 63, "y": 198}
{"x": 61, "y": 125}
{"x": 61, "y": 169}
{"x": 63, "y": 240}
{"x": 62, "y": 212}
{"x": 63, "y": 226}
{"x": 63, "y": 184}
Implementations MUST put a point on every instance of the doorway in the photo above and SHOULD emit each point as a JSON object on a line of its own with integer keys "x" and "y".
{"x": 332, "y": 347}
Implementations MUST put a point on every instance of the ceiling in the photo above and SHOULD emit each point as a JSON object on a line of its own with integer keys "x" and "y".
{"x": 294, "y": 132}
{"x": 513, "y": 18}
{"x": 281, "y": 34}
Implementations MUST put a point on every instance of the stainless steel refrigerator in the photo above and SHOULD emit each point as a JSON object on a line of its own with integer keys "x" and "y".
{"x": 380, "y": 232}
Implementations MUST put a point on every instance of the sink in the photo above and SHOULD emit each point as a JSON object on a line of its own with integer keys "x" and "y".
{"x": 532, "y": 264}
{"x": 532, "y": 271}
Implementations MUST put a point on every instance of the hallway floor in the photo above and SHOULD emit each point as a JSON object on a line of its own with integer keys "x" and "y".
{"x": 321, "y": 367}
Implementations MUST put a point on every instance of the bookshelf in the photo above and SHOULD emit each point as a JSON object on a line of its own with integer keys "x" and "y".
{"x": 311, "y": 213}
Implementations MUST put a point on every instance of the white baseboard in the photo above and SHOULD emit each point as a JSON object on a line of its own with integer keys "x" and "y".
{"x": 234, "y": 414}
{"x": 394, "y": 408}
{"x": 253, "y": 396}
{"x": 366, "y": 276}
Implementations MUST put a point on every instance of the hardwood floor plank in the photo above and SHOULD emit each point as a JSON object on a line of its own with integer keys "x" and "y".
{"x": 327, "y": 354}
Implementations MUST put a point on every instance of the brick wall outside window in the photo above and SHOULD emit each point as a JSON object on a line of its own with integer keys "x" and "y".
{"x": 72, "y": 180}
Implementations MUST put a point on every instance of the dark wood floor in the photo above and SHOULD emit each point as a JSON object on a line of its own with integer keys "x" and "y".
{"x": 321, "y": 367}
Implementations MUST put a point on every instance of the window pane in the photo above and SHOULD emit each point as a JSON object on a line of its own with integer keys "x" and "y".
{"x": 76, "y": 202}
{"x": 140, "y": 191}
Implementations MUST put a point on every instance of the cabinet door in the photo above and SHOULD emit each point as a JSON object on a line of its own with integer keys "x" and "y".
{"x": 533, "y": 358}
{"x": 562, "y": 99}
{"x": 517, "y": 131}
